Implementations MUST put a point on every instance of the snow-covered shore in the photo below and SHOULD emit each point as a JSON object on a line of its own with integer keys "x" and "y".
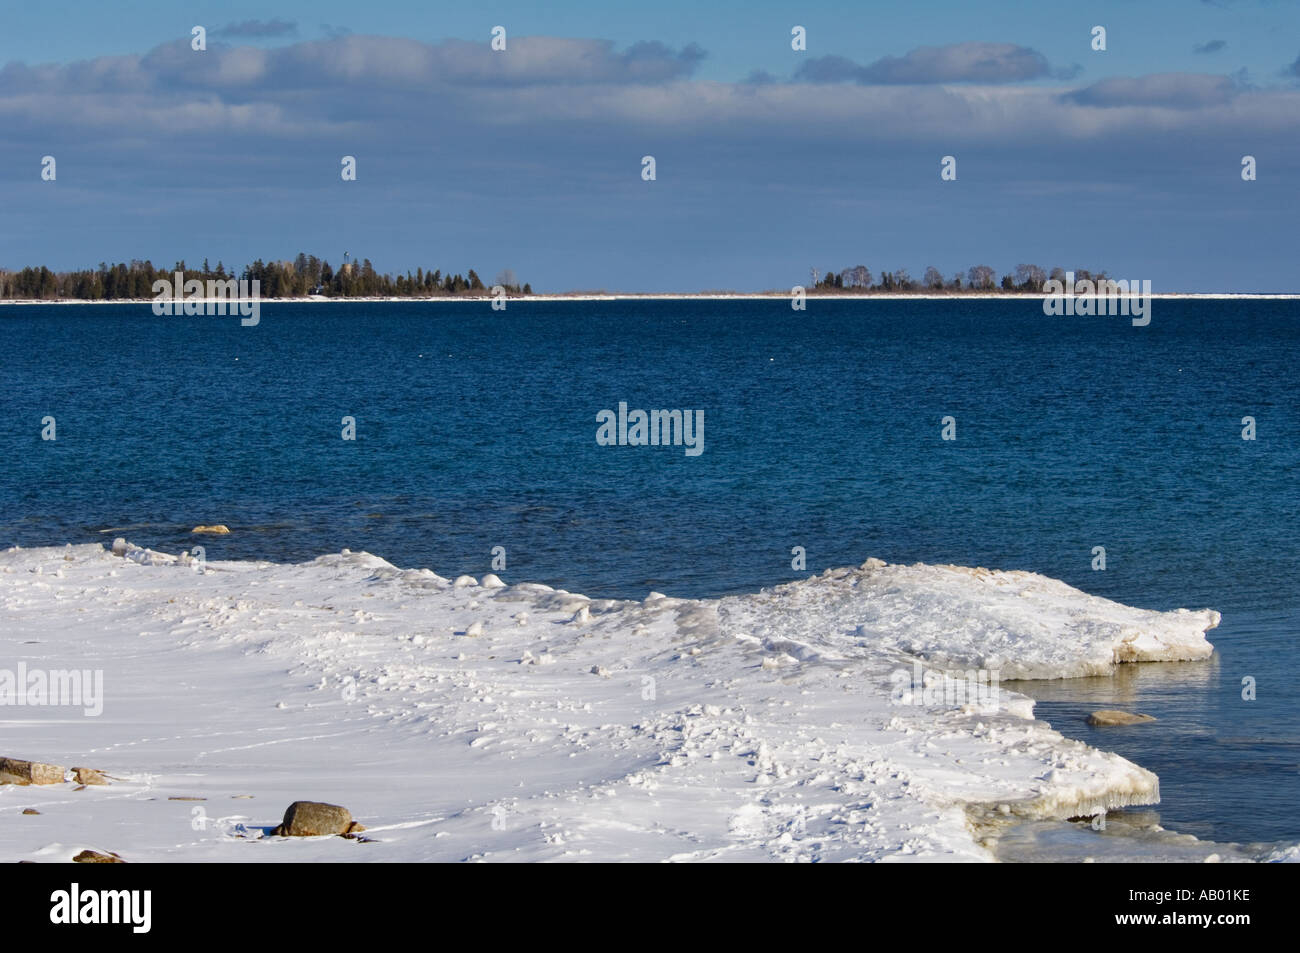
{"x": 471, "y": 719}
{"x": 700, "y": 296}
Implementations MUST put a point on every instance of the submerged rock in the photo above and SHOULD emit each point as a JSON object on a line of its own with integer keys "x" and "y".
{"x": 1111, "y": 716}
{"x": 316, "y": 819}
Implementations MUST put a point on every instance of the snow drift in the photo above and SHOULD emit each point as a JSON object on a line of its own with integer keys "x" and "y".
{"x": 473, "y": 719}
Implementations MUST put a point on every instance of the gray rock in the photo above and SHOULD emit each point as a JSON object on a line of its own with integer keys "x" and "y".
{"x": 316, "y": 819}
{"x": 1110, "y": 716}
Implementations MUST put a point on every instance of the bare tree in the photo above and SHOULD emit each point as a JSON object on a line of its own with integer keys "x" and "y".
{"x": 933, "y": 279}
{"x": 1030, "y": 277}
{"x": 857, "y": 277}
{"x": 981, "y": 276}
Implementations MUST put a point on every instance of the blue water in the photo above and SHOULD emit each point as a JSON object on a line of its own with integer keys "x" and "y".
{"x": 822, "y": 429}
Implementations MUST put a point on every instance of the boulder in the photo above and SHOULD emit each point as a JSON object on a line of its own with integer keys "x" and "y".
{"x": 1110, "y": 716}
{"x": 14, "y": 771}
{"x": 95, "y": 857}
{"x": 316, "y": 819}
{"x": 88, "y": 776}
{"x": 216, "y": 529}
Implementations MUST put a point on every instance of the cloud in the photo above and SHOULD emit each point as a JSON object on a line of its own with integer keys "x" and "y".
{"x": 1163, "y": 90}
{"x": 346, "y": 62}
{"x": 257, "y": 29}
{"x": 1293, "y": 69}
{"x": 312, "y": 96}
{"x": 652, "y": 61}
{"x": 1212, "y": 46}
{"x": 971, "y": 62}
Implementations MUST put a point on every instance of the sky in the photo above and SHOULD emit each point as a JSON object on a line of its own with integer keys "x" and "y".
{"x": 769, "y": 161}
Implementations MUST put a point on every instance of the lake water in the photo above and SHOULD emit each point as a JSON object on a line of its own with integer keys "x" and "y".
{"x": 477, "y": 429}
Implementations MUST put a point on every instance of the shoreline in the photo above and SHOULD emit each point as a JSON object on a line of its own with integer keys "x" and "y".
{"x": 755, "y": 703}
{"x": 702, "y": 296}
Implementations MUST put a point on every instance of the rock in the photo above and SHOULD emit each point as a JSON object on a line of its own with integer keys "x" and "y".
{"x": 1110, "y": 716}
{"x": 216, "y": 529}
{"x": 30, "y": 810}
{"x": 314, "y": 819}
{"x": 95, "y": 857}
{"x": 89, "y": 776}
{"x": 13, "y": 771}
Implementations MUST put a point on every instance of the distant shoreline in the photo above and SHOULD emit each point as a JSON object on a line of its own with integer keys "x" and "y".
{"x": 701, "y": 296}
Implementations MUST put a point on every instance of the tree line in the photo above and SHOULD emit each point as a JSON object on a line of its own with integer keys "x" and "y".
{"x": 1024, "y": 278}
{"x": 305, "y": 275}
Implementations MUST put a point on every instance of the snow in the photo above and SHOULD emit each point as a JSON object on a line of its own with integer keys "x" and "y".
{"x": 779, "y": 295}
{"x": 483, "y": 720}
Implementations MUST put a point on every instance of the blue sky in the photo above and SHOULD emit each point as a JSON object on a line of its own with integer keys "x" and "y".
{"x": 769, "y": 161}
